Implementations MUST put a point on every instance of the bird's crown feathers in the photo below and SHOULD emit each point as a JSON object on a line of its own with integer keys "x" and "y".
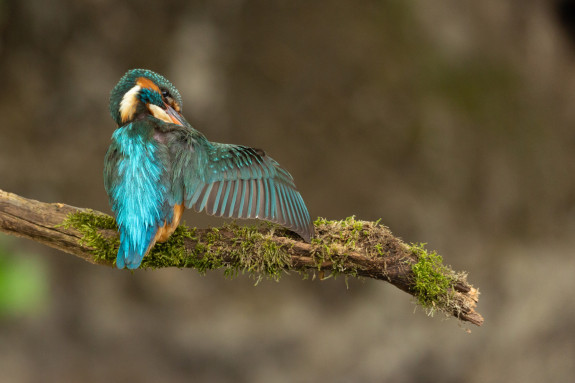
{"x": 141, "y": 87}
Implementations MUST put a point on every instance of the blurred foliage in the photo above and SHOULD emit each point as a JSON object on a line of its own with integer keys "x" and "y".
{"x": 23, "y": 281}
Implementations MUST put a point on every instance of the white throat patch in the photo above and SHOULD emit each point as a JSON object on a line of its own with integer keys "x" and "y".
{"x": 129, "y": 103}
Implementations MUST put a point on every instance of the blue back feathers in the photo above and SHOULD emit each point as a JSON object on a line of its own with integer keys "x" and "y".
{"x": 137, "y": 189}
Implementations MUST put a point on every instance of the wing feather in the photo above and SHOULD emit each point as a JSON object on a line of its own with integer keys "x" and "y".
{"x": 224, "y": 203}
{"x": 242, "y": 182}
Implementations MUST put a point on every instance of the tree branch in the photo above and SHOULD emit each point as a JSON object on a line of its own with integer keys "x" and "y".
{"x": 349, "y": 247}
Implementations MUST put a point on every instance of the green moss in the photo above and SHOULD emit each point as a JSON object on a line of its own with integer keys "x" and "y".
{"x": 433, "y": 281}
{"x": 171, "y": 253}
{"x": 336, "y": 239}
{"x": 89, "y": 218}
{"x": 89, "y": 224}
{"x": 322, "y": 221}
{"x": 253, "y": 252}
{"x": 256, "y": 254}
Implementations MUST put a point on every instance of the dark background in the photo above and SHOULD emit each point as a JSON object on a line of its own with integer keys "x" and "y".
{"x": 452, "y": 121}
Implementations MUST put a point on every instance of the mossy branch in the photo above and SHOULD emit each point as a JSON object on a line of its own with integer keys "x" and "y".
{"x": 349, "y": 247}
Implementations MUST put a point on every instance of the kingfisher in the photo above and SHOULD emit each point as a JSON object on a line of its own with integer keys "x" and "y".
{"x": 158, "y": 164}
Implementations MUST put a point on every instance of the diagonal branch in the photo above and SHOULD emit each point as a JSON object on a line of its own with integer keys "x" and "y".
{"x": 349, "y": 247}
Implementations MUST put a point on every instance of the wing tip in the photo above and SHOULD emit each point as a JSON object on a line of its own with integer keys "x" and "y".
{"x": 308, "y": 233}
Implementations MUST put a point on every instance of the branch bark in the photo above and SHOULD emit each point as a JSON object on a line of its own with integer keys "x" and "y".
{"x": 350, "y": 247}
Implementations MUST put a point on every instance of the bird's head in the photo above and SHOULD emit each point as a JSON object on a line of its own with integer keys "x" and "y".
{"x": 143, "y": 92}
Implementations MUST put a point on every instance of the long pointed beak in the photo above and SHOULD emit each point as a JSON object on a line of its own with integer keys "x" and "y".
{"x": 176, "y": 117}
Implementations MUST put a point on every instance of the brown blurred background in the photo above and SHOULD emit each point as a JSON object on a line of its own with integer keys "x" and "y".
{"x": 452, "y": 121}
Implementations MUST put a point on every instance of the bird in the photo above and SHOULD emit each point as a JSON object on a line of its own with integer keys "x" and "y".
{"x": 157, "y": 164}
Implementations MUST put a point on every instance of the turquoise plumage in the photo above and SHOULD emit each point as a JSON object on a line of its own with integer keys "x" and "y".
{"x": 158, "y": 164}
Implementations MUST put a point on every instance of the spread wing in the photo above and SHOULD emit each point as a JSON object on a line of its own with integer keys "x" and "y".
{"x": 242, "y": 182}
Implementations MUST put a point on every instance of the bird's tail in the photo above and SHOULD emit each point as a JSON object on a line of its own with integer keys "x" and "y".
{"x": 133, "y": 250}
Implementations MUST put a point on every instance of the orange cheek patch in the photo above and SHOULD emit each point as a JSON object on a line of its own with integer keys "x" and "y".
{"x": 147, "y": 83}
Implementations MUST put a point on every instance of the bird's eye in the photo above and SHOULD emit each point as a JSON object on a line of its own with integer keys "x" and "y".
{"x": 165, "y": 93}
